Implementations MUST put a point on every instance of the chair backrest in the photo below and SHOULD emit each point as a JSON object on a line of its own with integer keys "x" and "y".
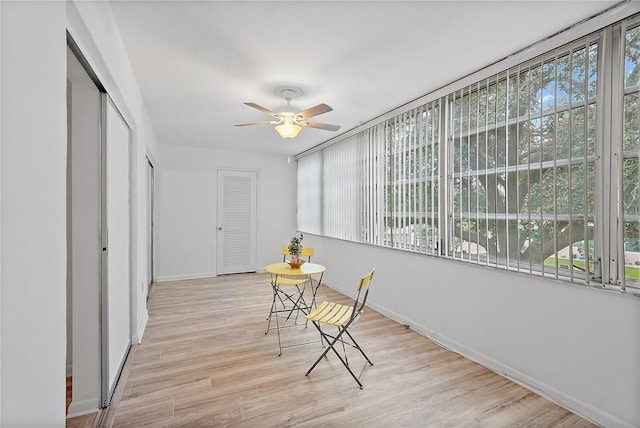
{"x": 363, "y": 290}
{"x": 306, "y": 252}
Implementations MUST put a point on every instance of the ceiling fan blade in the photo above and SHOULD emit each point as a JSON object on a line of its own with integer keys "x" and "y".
{"x": 270, "y": 122}
{"x": 262, "y": 109}
{"x": 314, "y": 111}
{"x": 325, "y": 126}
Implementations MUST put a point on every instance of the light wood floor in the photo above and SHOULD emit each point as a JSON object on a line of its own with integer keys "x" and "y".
{"x": 205, "y": 361}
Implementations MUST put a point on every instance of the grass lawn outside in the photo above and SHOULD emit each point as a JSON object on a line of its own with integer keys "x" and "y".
{"x": 631, "y": 272}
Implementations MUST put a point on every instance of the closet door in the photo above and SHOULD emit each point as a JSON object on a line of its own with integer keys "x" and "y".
{"x": 236, "y": 236}
{"x": 116, "y": 231}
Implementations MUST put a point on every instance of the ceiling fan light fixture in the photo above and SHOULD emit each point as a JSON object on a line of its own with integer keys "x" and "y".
{"x": 290, "y": 121}
{"x": 288, "y": 130}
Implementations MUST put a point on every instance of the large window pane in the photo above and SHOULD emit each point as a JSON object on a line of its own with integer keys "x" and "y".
{"x": 516, "y": 199}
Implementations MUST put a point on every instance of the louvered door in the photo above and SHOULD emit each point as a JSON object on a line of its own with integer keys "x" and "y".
{"x": 236, "y": 230}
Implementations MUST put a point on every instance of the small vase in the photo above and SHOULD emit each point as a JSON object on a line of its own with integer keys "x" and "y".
{"x": 295, "y": 261}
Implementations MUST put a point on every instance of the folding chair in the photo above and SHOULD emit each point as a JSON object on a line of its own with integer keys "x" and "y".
{"x": 343, "y": 317}
{"x": 290, "y": 292}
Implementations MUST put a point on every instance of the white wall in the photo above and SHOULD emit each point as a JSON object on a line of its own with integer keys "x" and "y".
{"x": 579, "y": 346}
{"x": 33, "y": 227}
{"x": 186, "y": 186}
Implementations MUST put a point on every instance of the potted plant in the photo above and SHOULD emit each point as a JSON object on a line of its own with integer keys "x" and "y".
{"x": 295, "y": 251}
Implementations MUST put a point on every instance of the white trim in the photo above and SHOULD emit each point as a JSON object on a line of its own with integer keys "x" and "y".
{"x": 81, "y": 408}
{"x": 136, "y": 339}
{"x": 186, "y": 276}
{"x": 543, "y": 389}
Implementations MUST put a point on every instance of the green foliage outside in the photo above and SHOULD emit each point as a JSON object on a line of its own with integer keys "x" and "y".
{"x": 631, "y": 272}
{"x": 524, "y": 162}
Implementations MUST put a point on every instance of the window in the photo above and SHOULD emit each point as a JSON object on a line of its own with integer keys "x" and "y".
{"x": 523, "y": 165}
{"x": 411, "y": 180}
{"x": 520, "y": 170}
{"x": 309, "y": 193}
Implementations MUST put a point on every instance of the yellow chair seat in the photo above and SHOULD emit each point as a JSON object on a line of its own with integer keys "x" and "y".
{"x": 288, "y": 281}
{"x": 342, "y": 317}
{"x": 331, "y": 313}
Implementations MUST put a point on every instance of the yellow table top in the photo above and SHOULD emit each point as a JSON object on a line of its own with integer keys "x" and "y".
{"x": 285, "y": 269}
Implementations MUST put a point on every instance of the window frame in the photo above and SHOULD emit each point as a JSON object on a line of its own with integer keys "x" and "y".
{"x": 608, "y": 159}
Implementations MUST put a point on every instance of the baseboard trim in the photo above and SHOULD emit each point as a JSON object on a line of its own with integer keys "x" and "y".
{"x": 561, "y": 398}
{"x": 165, "y": 278}
{"x": 84, "y": 407}
{"x": 137, "y": 338}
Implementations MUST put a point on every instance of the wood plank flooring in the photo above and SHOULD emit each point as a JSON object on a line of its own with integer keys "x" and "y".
{"x": 205, "y": 361}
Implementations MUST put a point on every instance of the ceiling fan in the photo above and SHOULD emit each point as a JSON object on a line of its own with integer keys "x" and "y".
{"x": 289, "y": 120}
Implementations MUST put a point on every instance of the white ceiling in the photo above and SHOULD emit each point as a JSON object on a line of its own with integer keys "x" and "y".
{"x": 197, "y": 62}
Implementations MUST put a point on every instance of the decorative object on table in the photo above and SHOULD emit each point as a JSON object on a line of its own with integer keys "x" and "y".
{"x": 295, "y": 252}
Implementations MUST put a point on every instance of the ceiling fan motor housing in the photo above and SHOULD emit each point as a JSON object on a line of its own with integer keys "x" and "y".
{"x": 288, "y": 93}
